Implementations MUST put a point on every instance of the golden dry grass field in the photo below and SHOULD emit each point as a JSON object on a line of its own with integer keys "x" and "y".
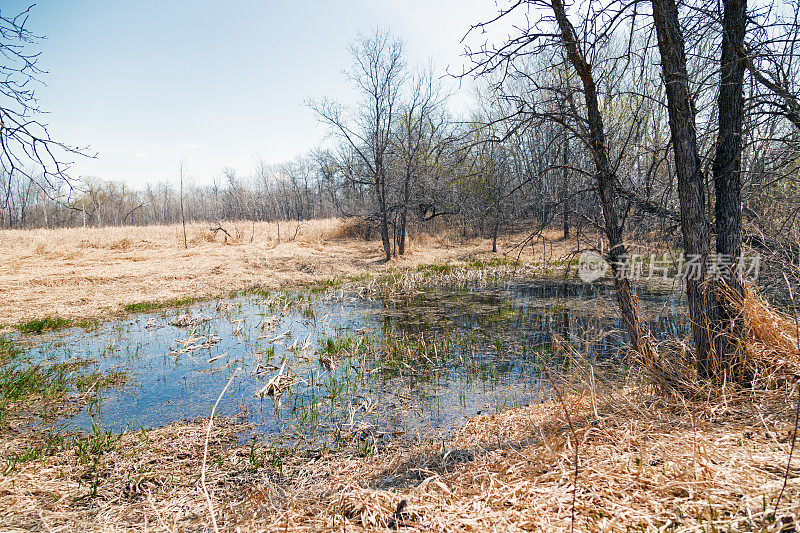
{"x": 88, "y": 273}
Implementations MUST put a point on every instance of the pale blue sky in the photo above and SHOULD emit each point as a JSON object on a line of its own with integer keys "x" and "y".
{"x": 147, "y": 83}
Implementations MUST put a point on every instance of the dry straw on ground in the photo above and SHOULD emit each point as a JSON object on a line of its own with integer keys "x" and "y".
{"x": 647, "y": 461}
{"x": 94, "y": 272}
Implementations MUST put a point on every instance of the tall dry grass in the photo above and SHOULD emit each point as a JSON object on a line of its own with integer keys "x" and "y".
{"x": 766, "y": 357}
{"x": 45, "y": 241}
{"x": 95, "y": 272}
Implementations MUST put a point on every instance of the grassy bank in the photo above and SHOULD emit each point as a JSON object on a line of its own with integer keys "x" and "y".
{"x": 647, "y": 461}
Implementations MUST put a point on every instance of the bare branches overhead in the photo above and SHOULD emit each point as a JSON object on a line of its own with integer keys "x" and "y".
{"x": 26, "y": 147}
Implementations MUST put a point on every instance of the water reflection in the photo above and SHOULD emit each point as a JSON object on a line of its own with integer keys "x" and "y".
{"x": 421, "y": 363}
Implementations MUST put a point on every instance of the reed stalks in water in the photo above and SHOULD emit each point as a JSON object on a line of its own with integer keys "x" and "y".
{"x": 205, "y": 451}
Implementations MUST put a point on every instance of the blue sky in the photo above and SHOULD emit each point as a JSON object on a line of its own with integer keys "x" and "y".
{"x": 147, "y": 83}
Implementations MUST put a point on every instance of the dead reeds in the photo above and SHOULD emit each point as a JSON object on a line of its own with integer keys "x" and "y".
{"x": 647, "y": 462}
{"x": 767, "y": 353}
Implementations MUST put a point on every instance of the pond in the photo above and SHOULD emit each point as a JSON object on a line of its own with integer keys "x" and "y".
{"x": 310, "y": 368}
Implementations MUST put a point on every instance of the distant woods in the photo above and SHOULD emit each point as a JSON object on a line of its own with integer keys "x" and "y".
{"x": 291, "y": 191}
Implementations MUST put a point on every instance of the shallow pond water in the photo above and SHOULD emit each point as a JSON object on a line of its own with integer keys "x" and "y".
{"x": 418, "y": 364}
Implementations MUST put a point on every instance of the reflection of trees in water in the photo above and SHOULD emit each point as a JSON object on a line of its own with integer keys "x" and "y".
{"x": 545, "y": 317}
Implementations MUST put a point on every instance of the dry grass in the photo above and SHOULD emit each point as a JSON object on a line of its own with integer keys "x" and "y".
{"x": 647, "y": 462}
{"x": 773, "y": 339}
{"x": 93, "y": 273}
{"x": 767, "y": 358}
{"x": 648, "y": 459}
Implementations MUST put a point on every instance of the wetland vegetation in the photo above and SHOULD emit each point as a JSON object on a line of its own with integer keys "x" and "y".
{"x": 549, "y": 287}
{"x": 349, "y": 396}
{"x": 413, "y": 352}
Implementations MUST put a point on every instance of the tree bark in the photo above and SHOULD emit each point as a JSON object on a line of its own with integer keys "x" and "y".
{"x": 401, "y": 237}
{"x": 401, "y": 244}
{"x": 565, "y": 190}
{"x": 727, "y": 183}
{"x": 617, "y": 253}
{"x": 691, "y": 182}
{"x": 495, "y": 231}
{"x": 384, "y": 215}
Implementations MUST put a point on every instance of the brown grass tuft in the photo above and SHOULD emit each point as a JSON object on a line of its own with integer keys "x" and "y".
{"x": 122, "y": 244}
{"x": 771, "y": 338}
{"x": 351, "y": 229}
{"x": 767, "y": 357}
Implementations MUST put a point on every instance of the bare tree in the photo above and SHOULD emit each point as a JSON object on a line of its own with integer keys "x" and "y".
{"x": 181, "y": 170}
{"x": 727, "y": 180}
{"x": 714, "y": 314}
{"x": 691, "y": 179}
{"x": 555, "y": 38}
{"x": 415, "y": 140}
{"x": 26, "y": 147}
{"x": 378, "y": 72}
{"x": 605, "y": 175}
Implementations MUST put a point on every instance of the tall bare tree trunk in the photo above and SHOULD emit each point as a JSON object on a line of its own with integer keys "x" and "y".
{"x": 183, "y": 217}
{"x": 565, "y": 189}
{"x": 401, "y": 233}
{"x": 401, "y": 244}
{"x": 691, "y": 182}
{"x": 495, "y": 231}
{"x": 387, "y": 243}
{"x": 638, "y": 333}
{"x": 727, "y": 181}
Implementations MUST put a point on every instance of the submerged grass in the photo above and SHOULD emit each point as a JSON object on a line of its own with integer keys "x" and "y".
{"x": 41, "y": 325}
{"x": 21, "y": 383}
{"x": 98, "y": 380}
{"x": 54, "y": 323}
{"x": 186, "y": 301}
{"x": 153, "y": 305}
{"x": 25, "y": 387}
{"x": 8, "y": 349}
